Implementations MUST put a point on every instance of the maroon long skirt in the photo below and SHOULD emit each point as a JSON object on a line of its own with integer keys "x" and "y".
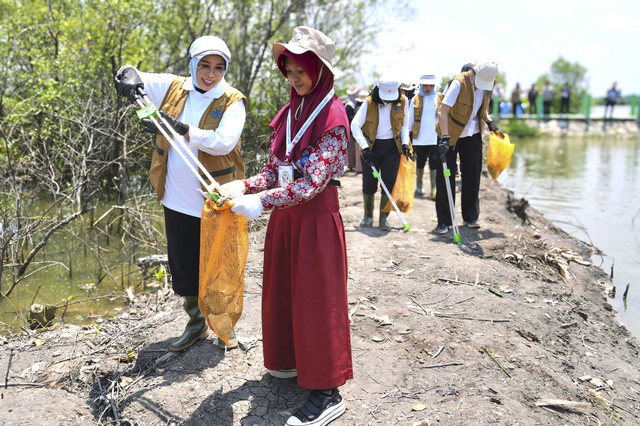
{"x": 305, "y": 320}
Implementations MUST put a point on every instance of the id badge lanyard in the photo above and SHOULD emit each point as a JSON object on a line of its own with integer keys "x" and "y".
{"x": 305, "y": 126}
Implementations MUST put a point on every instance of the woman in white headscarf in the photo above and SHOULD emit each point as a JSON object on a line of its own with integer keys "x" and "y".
{"x": 210, "y": 115}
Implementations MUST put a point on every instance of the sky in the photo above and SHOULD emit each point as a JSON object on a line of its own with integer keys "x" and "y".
{"x": 524, "y": 37}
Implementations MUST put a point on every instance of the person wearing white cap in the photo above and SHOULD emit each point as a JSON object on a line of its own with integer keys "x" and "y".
{"x": 381, "y": 128}
{"x": 422, "y": 122}
{"x": 210, "y": 115}
{"x": 461, "y": 117}
{"x": 305, "y": 315}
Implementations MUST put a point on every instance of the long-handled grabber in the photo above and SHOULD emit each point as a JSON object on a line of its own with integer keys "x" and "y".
{"x": 376, "y": 175}
{"x": 452, "y": 210}
{"x": 150, "y": 111}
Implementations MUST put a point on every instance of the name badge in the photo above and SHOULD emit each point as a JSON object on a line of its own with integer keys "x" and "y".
{"x": 285, "y": 176}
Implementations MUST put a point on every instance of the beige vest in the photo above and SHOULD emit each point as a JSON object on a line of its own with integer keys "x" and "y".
{"x": 370, "y": 127}
{"x": 418, "y": 104}
{"x": 460, "y": 113}
{"x": 223, "y": 168}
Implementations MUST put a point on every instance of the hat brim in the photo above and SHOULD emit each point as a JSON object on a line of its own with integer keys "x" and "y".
{"x": 484, "y": 84}
{"x": 388, "y": 96}
{"x": 428, "y": 82}
{"x": 296, "y": 49}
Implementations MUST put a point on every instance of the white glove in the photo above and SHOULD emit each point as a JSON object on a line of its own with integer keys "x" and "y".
{"x": 233, "y": 189}
{"x": 248, "y": 206}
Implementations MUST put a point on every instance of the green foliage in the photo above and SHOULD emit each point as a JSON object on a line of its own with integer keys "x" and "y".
{"x": 561, "y": 72}
{"x": 518, "y": 129}
{"x": 57, "y": 102}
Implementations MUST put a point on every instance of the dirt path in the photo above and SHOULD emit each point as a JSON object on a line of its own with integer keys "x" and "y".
{"x": 488, "y": 331}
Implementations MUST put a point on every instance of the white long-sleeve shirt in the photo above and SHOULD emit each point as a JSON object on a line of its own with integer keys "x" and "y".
{"x": 427, "y": 134}
{"x": 384, "y": 124}
{"x": 181, "y": 185}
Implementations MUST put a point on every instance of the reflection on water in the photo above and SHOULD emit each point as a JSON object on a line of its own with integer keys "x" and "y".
{"x": 590, "y": 187}
{"x": 81, "y": 270}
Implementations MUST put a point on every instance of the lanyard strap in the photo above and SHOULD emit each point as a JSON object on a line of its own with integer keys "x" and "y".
{"x": 305, "y": 126}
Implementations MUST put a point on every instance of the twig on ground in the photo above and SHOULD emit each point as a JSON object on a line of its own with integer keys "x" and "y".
{"x": 563, "y": 404}
{"x": 438, "y": 352}
{"x": 442, "y": 365}
{"x": 495, "y": 360}
{"x": 421, "y": 307}
{"x": 471, "y": 319}
{"x": 441, "y": 300}
{"x": 6, "y": 376}
{"x": 587, "y": 346}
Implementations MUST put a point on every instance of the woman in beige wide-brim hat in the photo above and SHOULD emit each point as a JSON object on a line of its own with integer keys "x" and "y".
{"x": 305, "y": 321}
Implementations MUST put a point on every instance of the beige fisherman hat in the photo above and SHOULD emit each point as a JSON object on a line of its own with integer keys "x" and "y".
{"x": 306, "y": 39}
{"x": 362, "y": 95}
{"x": 353, "y": 89}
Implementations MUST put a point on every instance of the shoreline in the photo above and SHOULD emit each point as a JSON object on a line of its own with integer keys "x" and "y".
{"x": 549, "y": 350}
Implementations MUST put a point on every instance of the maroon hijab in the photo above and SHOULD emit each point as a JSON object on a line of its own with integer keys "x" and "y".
{"x": 332, "y": 115}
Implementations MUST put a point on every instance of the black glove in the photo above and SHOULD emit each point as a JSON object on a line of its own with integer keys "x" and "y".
{"x": 406, "y": 150}
{"x": 127, "y": 83}
{"x": 367, "y": 155}
{"x": 493, "y": 128}
{"x": 443, "y": 147}
{"x": 178, "y": 126}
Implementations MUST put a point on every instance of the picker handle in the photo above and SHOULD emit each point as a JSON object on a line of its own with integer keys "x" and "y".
{"x": 180, "y": 146}
{"x": 452, "y": 210}
{"x": 376, "y": 174}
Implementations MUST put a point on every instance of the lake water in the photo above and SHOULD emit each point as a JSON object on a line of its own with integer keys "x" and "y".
{"x": 590, "y": 187}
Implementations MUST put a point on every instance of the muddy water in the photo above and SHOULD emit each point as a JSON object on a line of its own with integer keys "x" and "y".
{"x": 590, "y": 187}
{"x": 81, "y": 271}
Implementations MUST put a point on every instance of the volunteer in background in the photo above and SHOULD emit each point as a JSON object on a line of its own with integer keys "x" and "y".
{"x": 305, "y": 319}
{"x": 381, "y": 129}
{"x": 461, "y": 117}
{"x": 210, "y": 115}
{"x": 422, "y": 122}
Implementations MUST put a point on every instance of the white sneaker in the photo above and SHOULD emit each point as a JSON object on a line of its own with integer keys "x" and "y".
{"x": 283, "y": 374}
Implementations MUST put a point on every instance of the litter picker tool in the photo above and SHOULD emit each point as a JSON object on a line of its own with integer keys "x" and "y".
{"x": 376, "y": 175}
{"x": 454, "y": 221}
{"x": 149, "y": 110}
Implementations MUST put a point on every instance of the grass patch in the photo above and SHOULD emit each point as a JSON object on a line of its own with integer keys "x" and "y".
{"x": 519, "y": 129}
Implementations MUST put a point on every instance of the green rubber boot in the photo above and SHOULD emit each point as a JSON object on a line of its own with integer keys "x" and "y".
{"x": 368, "y": 210}
{"x": 233, "y": 341}
{"x": 383, "y": 224}
{"x": 419, "y": 188}
{"x": 196, "y": 328}
{"x": 432, "y": 175}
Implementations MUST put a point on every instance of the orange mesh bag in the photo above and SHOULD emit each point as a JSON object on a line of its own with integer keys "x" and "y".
{"x": 500, "y": 152}
{"x": 224, "y": 246}
{"x": 404, "y": 187}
